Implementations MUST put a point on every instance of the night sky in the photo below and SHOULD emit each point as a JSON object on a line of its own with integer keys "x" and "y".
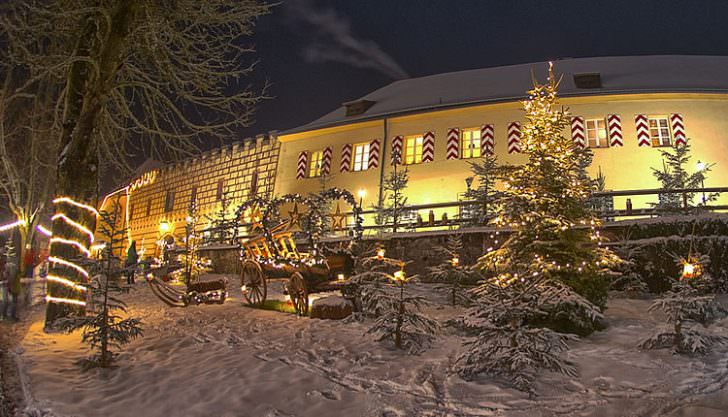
{"x": 319, "y": 53}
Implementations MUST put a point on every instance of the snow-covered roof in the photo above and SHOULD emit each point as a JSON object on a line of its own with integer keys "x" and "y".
{"x": 619, "y": 75}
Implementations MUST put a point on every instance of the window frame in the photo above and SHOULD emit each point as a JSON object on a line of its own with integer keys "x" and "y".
{"x": 220, "y": 190}
{"x": 658, "y": 142}
{"x": 169, "y": 202}
{"x": 311, "y": 170}
{"x": 363, "y": 161}
{"x": 597, "y": 129}
{"x": 471, "y": 147}
{"x": 415, "y": 154}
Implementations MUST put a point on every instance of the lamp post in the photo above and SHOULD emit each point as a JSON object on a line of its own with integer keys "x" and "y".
{"x": 700, "y": 166}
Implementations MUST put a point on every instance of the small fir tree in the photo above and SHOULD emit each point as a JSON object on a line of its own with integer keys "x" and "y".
{"x": 104, "y": 328}
{"x": 193, "y": 265}
{"x": 398, "y": 316}
{"x": 450, "y": 272}
{"x": 509, "y": 341}
{"x": 9, "y": 250}
{"x": 555, "y": 235}
{"x": 674, "y": 175}
{"x": 225, "y": 223}
{"x": 486, "y": 171}
{"x": 687, "y": 308}
{"x": 393, "y": 208}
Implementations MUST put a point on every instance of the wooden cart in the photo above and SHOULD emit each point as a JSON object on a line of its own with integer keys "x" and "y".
{"x": 278, "y": 257}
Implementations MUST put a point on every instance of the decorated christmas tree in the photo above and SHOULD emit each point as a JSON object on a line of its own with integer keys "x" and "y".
{"x": 689, "y": 309}
{"x": 546, "y": 203}
{"x": 225, "y": 223}
{"x": 103, "y": 327}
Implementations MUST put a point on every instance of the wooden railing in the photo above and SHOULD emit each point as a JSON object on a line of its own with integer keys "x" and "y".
{"x": 422, "y": 215}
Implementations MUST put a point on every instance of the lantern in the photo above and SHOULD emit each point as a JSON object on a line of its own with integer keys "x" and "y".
{"x": 341, "y": 277}
{"x": 399, "y": 275}
{"x": 455, "y": 261}
{"x": 380, "y": 254}
{"x": 691, "y": 268}
{"x": 163, "y": 227}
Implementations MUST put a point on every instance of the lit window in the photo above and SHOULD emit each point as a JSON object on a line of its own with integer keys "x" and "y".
{"x": 413, "y": 149}
{"x": 470, "y": 143}
{"x": 220, "y": 190}
{"x": 169, "y": 202}
{"x": 660, "y": 131}
{"x": 314, "y": 165}
{"x": 596, "y": 133}
{"x": 361, "y": 157}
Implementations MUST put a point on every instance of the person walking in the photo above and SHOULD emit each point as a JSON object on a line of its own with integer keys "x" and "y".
{"x": 11, "y": 288}
{"x": 132, "y": 258}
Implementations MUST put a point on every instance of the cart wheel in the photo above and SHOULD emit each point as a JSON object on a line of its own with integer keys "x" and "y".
{"x": 297, "y": 292}
{"x": 254, "y": 287}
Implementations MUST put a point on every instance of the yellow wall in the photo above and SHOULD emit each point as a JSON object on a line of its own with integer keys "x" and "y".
{"x": 627, "y": 167}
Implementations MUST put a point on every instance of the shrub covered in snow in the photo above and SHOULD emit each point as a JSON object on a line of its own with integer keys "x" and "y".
{"x": 649, "y": 241}
{"x": 509, "y": 342}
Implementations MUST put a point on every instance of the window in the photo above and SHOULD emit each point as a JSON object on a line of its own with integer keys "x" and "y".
{"x": 149, "y": 207}
{"x": 169, "y": 202}
{"x": 470, "y": 143}
{"x": 132, "y": 210}
{"x": 254, "y": 184}
{"x": 413, "y": 149}
{"x": 220, "y": 189}
{"x": 361, "y": 157}
{"x": 660, "y": 131}
{"x": 596, "y": 133}
{"x": 314, "y": 164}
{"x": 193, "y": 195}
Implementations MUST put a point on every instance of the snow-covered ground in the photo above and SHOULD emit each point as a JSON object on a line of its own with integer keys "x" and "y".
{"x": 229, "y": 360}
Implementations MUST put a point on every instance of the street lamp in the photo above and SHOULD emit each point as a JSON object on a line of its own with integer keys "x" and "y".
{"x": 163, "y": 227}
{"x": 700, "y": 167}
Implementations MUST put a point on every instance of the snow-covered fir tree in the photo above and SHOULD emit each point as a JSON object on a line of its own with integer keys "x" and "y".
{"x": 9, "y": 250}
{"x": 486, "y": 172}
{"x": 393, "y": 209}
{"x": 546, "y": 202}
{"x": 689, "y": 309}
{"x": 397, "y": 313}
{"x": 453, "y": 277}
{"x": 104, "y": 329}
{"x": 510, "y": 341}
{"x": 674, "y": 175}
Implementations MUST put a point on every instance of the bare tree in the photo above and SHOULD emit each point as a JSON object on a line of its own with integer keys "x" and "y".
{"x": 28, "y": 145}
{"x": 157, "y": 74}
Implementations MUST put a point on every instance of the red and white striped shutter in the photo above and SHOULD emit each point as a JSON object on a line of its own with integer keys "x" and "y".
{"x": 345, "y": 158}
{"x": 643, "y": 130}
{"x": 373, "y": 154}
{"x": 397, "y": 144}
{"x": 578, "y": 132}
{"x": 678, "y": 129}
{"x": 326, "y": 161}
{"x": 514, "y": 137}
{"x": 428, "y": 147}
{"x": 487, "y": 140}
{"x": 453, "y": 143}
{"x": 301, "y": 166}
{"x": 614, "y": 128}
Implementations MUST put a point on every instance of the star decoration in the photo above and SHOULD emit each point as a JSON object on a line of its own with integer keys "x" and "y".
{"x": 294, "y": 219}
{"x": 338, "y": 219}
{"x": 256, "y": 218}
